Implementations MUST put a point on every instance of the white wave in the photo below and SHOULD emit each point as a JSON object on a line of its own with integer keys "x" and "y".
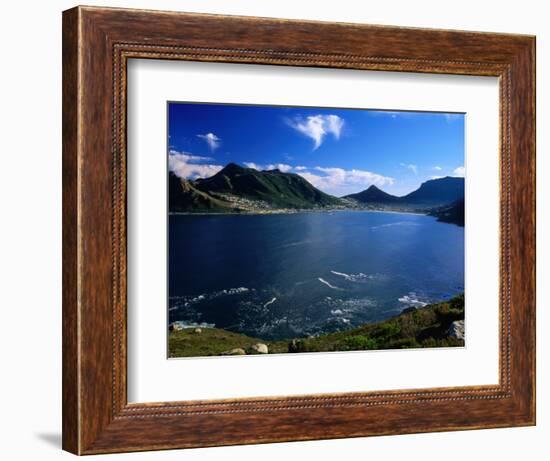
{"x": 341, "y": 273}
{"x": 328, "y": 284}
{"x": 353, "y": 277}
{"x": 412, "y": 300}
{"x": 399, "y": 223}
{"x": 234, "y": 291}
{"x": 190, "y": 300}
{"x": 270, "y": 302}
{"x": 183, "y": 325}
{"x": 351, "y": 306}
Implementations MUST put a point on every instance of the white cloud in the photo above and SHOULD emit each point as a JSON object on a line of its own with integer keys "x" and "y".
{"x": 337, "y": 181}
{"x": 436, "y": 177}
{"x": 189, "y": 166}
{"x": 272, "y": 166}
{"x": 460, "y": 171}
{"x": 437, "y": 168}
{"x": 279, "y": 166}
{"x": 211, "y": 139}
{"x": 300, "y": 168}
{"x": 252, "y": 165}
{"x": 317, "y": 127}
{"x": 187, "y": 157}
{"x": 411, "y": 167}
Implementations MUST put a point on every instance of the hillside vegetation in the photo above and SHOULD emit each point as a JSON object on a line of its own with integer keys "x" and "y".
{"x": 272, "y": 186}
{"x": 453, "y": 213}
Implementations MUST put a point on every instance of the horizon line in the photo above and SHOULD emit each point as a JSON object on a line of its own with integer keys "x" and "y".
{"x": 298, "y": 174}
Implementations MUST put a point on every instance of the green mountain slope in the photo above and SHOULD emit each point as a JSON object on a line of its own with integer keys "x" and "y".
{"x": 184, "y": 197}
{"x": 278, "y": 189}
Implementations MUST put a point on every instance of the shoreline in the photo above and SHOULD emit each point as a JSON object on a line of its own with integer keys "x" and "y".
{"x": 289, "y": 212}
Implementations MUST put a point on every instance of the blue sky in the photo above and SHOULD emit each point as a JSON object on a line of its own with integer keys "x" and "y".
{"x": 340, "y": 151}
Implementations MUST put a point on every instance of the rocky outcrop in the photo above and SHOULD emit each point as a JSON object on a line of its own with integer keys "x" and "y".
{"x": 456, "y": 330}
{"x": 236, "y": 351}
{"x": 259, "y": 348}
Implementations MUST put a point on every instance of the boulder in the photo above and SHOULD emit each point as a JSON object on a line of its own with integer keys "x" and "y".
{"x": 236, "y": 351}
{"x": 456, "y": 330}
{"x": 197, "y": 330}
{"x": 259, "y": 348}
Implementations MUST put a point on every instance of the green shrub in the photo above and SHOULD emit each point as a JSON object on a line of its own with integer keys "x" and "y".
{"x": 387, "y": 330}
{"x": 360, "y": 343}
{"x": 403, "y": 343}
{"x": 457, "y": 302}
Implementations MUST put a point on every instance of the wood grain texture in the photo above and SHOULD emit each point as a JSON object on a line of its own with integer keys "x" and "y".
{"x": 97, "y": 43}
{"x": 70, "y": 383}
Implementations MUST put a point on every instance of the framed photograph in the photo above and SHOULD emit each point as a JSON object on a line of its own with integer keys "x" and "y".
{"x": 280, "y": 230}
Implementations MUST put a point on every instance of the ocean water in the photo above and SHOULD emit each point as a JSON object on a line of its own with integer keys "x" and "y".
{"x": 294, "y": 275}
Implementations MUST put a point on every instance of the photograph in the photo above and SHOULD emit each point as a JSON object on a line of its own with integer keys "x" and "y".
{"x": 313, "y": 229}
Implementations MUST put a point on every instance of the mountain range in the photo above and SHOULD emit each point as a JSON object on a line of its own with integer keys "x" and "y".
{"x": 430, "y": 194}
{"x": 236, "y": 189}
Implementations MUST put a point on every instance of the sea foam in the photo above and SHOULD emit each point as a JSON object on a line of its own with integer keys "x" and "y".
{"x": 328, "y": 284}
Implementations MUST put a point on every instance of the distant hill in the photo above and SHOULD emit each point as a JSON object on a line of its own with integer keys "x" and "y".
{"x": 439, "y": 191}
{"x": 453, "y": 213}
{"x": 431, "y": 194}
{"x": 278, "y": 189}
{"x": 184, "y": 197}
{"x": 373, "y": 195}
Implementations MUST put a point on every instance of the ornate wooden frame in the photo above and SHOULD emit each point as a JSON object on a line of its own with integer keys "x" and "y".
{"x": 97, "y": 43}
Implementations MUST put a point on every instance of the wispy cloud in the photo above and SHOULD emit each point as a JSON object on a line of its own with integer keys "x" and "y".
{"x": 187, "y": 157}
{"x": 190, "y": 166}
{"x": 411, "y": 167}
{"x": 338, "y": 181}
{"x": 437, "y": 168}
{"x": 460, "y": 171}
{"x": 317, "y": 127}
{"x": 211, "y": 139}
